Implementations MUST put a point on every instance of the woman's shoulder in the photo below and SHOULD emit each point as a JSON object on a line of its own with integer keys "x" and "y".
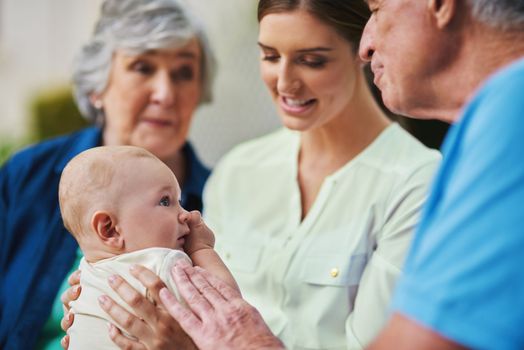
{"x": 396, "y": 150}
{"x": 55, "y": 146}
{"x": 274, "y": 146}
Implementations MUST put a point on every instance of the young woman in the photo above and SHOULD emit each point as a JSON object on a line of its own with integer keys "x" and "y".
{"x": 315, "y": 219}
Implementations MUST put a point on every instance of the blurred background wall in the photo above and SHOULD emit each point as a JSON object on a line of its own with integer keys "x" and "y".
{"x": 39, "y": 39}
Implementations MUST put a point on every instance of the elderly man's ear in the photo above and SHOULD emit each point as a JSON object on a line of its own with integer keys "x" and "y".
{"x": 442, "y": 11}
{"x": 107, "y": 230}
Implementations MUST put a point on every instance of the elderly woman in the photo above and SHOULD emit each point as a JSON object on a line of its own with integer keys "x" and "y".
{"x": 139, "y": 79}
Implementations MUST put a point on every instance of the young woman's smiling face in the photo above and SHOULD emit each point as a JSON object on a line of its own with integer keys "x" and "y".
{"x": 309, "y": 69}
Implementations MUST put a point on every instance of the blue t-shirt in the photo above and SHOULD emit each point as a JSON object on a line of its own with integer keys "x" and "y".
{"x": 464, "y": 276}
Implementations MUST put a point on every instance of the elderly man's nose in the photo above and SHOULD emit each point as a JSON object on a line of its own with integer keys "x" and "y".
{"x": 366, "y": 48}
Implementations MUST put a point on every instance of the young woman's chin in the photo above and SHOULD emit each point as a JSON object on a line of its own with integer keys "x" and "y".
{"x": 297, "y": 124}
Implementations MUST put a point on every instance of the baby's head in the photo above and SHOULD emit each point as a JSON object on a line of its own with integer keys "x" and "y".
{"x": 118, "y": 199}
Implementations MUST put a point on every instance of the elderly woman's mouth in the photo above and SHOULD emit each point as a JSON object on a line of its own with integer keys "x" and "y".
{"x": 157, "y": 122}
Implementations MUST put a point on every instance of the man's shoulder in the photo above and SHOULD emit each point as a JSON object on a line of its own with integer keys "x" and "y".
{"x": 396, "y": 151}
{"x": 271, "y": 147}
{"x": 492, "y": 120}
{"x": 504, "y": 87}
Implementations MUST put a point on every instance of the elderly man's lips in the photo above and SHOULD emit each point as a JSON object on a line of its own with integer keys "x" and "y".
{"x": 378, "y": 72}
{"x": 377, "y": 77}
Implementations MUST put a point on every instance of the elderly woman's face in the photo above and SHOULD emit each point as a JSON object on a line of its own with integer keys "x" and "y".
{"x": 150, "y": 98}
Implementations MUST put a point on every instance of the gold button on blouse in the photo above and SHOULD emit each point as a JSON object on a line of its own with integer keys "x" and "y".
{"x": 228, "y": 256}
{"x": 334, "y": 272}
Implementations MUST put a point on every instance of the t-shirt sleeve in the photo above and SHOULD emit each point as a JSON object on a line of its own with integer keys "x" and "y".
{"x": 464, "y": 274}
{"x": 165, "y": 270}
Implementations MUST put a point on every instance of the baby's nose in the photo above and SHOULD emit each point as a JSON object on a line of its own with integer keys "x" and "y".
{"x": 183, "y": 216}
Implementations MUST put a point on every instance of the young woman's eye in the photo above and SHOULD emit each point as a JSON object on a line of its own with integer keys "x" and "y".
{"x": 269, "y": 55}
{"x": 165, "y": 201}
{"x": 313, "y": 62}
{"x": 270, "y": 58}
{"x": 142, "y": 67}
{"x": 184, "y": 73}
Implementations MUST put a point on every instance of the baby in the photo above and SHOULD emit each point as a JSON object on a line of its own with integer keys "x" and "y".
{"x": 121, "y": 204}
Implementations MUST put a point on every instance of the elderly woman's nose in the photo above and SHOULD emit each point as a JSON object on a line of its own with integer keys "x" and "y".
{"x": 164, "y": 90}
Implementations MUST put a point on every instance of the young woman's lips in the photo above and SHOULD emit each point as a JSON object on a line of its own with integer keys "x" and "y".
{"x": 295, "y": 106}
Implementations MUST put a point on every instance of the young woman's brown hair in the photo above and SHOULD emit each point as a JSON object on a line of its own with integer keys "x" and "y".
{"x": 347, "y": 17}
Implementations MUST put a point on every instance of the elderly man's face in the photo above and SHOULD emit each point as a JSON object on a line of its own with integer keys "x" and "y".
{"x": 405, "y": 52}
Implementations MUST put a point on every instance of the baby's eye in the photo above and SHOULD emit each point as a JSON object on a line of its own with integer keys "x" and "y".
{"x": 165, "y": 201}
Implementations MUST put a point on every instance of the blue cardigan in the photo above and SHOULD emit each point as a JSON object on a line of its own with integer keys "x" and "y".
{"x": 36, "y": 251}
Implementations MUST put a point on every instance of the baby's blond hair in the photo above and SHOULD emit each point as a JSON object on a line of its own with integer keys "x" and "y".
{"x": 87, "y": 180}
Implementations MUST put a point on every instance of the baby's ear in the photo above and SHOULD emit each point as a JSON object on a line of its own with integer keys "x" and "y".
{"x": 104, "y": 224}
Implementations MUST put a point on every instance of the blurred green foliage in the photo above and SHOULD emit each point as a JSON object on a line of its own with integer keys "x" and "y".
{"x": 7, "y": 147}
{"x": 53, "y": 113}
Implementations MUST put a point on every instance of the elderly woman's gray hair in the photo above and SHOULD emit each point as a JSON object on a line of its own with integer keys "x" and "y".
{"x": 136, "y": 26}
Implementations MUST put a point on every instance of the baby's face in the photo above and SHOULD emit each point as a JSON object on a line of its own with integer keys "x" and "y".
{"x": 149, "y": 209}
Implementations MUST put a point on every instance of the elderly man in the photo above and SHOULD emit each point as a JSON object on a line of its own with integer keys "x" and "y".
{"x": 456, "y": 60}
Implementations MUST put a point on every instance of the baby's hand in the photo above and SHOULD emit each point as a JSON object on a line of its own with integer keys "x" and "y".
{"x": 200, "y": 236}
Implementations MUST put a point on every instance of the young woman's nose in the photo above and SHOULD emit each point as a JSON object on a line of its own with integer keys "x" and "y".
{"x": 164, "y": 90}
{"x": 288, "y": 82}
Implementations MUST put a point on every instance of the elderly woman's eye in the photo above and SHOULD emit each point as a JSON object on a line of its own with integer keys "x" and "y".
{"x": 165, "y": 201}
{"x": 142, "y": 67}
{"x": 184, "y": 73}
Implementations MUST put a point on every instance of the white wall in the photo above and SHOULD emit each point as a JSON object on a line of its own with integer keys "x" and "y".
{"x": 39, "y": 38}
{"x": 242, "y": 108}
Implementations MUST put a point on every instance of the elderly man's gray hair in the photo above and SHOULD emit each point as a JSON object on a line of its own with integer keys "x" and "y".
{"x": 136, "y": 26}
{"x": 502, "y": 14}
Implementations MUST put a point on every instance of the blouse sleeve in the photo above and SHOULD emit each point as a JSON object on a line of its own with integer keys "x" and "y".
{"x": 382, "y": 271}
{"x": 211, "y": 199}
